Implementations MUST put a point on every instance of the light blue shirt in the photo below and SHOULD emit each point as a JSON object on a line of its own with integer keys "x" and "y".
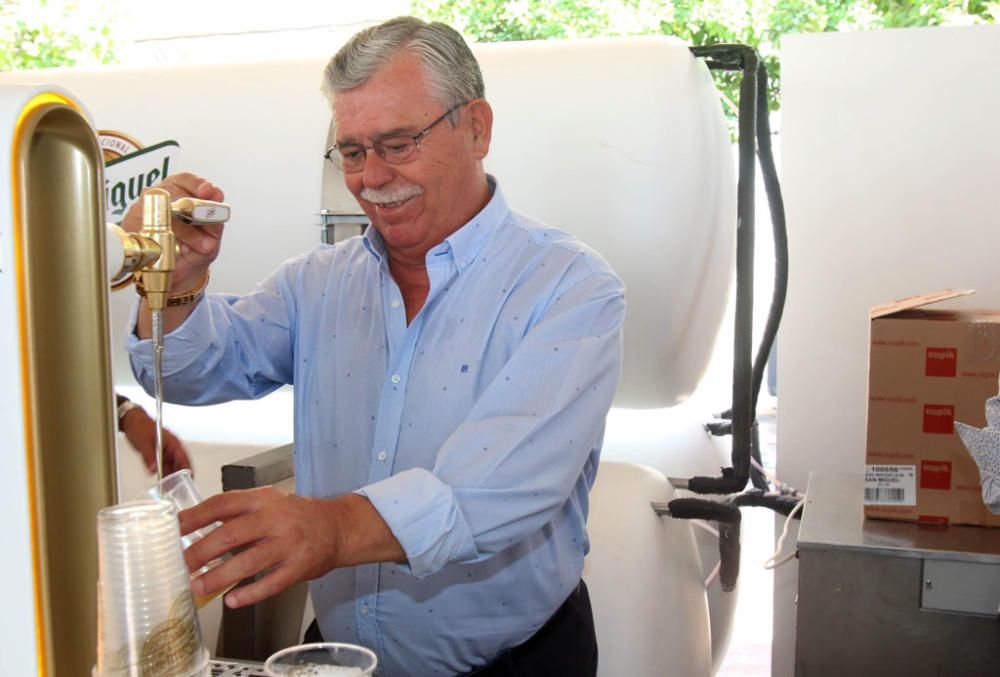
{"x": 475, "y": 430}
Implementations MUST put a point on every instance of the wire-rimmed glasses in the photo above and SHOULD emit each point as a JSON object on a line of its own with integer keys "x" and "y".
{"x": 395, "y": 149}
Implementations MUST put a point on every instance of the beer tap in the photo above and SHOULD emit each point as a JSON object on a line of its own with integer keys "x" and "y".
{"x": 156, "y": 276}
{"x": 149, "y": 258}
{"x": 151, "y": 253}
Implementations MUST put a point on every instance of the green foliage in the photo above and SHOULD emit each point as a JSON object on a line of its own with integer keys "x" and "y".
{"x": 758, "y": 23}
{"x": 42, "y": 34}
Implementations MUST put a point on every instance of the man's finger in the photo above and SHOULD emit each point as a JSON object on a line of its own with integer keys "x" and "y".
{"x": 191, "y": 185}
{"x": 219, "y": 508}
{"x": 245, "y": 564}
{"x": 239, "y": 529}
{"x": 281, "y": 578}
{"x": 209, "y": 191}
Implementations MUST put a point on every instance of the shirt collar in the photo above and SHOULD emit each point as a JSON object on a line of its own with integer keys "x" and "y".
{"x": 465, "y": 243}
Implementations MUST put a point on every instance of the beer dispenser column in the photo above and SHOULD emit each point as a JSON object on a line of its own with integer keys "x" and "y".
{"x": 56, "y": 400}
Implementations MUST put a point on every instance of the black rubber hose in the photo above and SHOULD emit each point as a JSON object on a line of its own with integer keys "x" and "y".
{"x": 729, "y": 519}
{"x": 757, "y": 477}
{"x": 779, "y": 504}
{"x": 736, "y": 479}
{"x": 776, "y": 204}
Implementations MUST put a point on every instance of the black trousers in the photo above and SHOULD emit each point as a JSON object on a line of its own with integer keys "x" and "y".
{"x": 566, "y": 646}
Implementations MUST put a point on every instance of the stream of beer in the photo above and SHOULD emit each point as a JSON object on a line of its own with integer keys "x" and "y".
{"x": 158, "y": 377}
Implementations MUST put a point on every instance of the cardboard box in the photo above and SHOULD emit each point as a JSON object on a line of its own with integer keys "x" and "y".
{"x": 928, "y": 368}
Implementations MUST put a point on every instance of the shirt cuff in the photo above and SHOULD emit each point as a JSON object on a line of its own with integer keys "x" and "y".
{"x": 181, "y": 347}
{"x": 425, "y": 518}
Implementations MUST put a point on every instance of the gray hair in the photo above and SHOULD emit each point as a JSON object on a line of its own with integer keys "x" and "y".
{"x": 453, "y": 74}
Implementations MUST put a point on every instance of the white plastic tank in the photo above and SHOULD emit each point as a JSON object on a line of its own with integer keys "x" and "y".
{"x": 651, "y": 619}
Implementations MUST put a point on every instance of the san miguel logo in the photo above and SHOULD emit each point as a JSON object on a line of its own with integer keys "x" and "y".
{"x": 130, "y": 168}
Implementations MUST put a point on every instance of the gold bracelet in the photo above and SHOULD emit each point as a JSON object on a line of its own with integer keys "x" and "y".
{"x": 182, "y": 299}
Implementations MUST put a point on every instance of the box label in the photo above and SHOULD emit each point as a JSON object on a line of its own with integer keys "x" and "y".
{"x": 890, "y": 484}
{"x": 939, "y": 419}
{"x": 941, "y": 362}
{"x": 935, "y": 475}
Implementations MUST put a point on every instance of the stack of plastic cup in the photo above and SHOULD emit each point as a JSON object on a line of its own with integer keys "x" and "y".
{"x": 322, "y": 659}
{"x": 179, "y": 488}
{"x": 147, "y": 623}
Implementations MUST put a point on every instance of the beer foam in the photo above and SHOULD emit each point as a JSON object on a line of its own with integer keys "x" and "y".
{"x": 314, "y": 670}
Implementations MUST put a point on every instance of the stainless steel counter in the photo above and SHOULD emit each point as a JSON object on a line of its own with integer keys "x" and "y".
{"x": 883, "y": 597}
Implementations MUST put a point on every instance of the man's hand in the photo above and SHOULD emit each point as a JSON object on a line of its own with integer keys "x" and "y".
{"x": 287, "y": 537}
{"x": 198, "y": 245}
{"x": 140, "y": 430}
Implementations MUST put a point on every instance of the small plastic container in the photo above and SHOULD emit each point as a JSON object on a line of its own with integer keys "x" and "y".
{"x": 146, "y": 618}
{"x": 179, "y": 488}
{"x": 323, "y": 659}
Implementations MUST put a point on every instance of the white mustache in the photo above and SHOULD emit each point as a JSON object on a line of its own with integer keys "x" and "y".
{"x": 388, "y": 195}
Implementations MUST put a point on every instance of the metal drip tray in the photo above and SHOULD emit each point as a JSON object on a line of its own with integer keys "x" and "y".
{"x": 226, "y": 668}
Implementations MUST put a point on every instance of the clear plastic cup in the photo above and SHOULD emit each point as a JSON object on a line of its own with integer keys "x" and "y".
{"x": 323, "y": 659}
{"x": 179, "y": 488}
{"x": 146, "y": 618}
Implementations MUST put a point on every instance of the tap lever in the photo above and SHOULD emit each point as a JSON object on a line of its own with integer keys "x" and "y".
{"x": 193, "y": 210}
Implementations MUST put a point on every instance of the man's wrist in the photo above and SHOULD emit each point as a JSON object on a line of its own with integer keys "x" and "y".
{"x": 183, "y": 298}
{"x": 123, "y": 409}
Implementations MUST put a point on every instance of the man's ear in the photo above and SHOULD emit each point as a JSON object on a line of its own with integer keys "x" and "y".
{"x": 481, "y": 119}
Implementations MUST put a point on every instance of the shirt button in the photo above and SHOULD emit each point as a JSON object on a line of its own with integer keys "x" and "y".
{"x": 382, "y": 455}
{"x": 365, "y": 611}
{"x": 395, "y": 304}
{"x": 395, "y": 378}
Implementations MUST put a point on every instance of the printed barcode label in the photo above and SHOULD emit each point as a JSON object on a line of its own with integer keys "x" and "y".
{"x": 884, "y": 495}
{"x": 890, "y": 485}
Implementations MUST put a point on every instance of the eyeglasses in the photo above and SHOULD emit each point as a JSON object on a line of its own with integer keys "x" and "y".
{"x": 396, "y": 149}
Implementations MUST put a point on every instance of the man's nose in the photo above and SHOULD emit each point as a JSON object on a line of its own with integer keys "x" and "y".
{"x": 377, "y": 171}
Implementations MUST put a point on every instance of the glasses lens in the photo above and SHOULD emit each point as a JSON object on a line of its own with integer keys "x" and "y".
{"x": 394, "y": 150}
{"x": 350, "y": 158}
{"x": 397, "y": 149}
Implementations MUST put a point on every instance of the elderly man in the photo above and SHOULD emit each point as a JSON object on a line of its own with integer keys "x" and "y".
{"x": 453, "y": 368}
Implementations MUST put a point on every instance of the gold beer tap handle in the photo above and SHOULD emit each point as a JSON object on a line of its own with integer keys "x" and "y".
{"x": 193, "y": 210}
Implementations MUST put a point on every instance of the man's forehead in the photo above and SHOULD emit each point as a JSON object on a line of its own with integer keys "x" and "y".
{"x": 394, "y": 97}
{"x": 368, "y": 119}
